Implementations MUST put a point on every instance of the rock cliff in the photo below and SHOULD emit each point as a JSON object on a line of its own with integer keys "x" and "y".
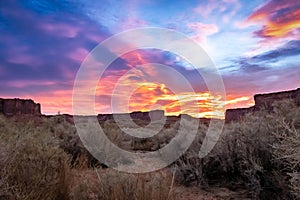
{"x": 19, "y": 107}
{"x": 145, "y": 116}
{"x": 263, "y": 101}
{"x": 266, "y": 100}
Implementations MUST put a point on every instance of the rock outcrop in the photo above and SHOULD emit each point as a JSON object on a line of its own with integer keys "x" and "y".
{"x": 137, "y": 115}
{"x": 266, "y": 100}
{"x": 233, "y": 115}
{"x": 263, "y": 101}
{"x": 11, "y": 107}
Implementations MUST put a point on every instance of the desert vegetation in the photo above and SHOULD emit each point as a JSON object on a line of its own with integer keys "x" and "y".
{"x": 259, "y": 156}
{"x": 260, "y": 153}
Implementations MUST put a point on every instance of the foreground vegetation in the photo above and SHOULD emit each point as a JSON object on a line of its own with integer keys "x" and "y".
{"x": 43, "y": 158}
{"x": 260, "y": 153}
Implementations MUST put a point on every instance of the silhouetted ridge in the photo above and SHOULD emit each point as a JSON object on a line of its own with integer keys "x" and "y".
{"x": 263, "y": 101}
{"x": 19, "y": 107}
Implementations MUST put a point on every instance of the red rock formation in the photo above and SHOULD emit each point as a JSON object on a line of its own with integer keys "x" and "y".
{"x": 263, "y": 101}
{"x": 233, "y": 115}
{"x": 19, "y": 107}
{"x": 266, "y": 100}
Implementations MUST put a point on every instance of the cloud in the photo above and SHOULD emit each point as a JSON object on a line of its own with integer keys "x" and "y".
{"x": 292, "y": 48}
{"x": 248, "y": 81}
{"x": 42, "y": 47}
{"x": 221, "y": 9}
{"x": 201, "y": 30}
{"x": 247, "y": 65}
{"x": 283, "y": 56}
{"x": 277, "y": 18}
{"x": 45, "y": 44}
{"x": 207, "y": 8}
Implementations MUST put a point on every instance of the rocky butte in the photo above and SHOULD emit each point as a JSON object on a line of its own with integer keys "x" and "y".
{"x": 10, "y": 107}
{"x": 145, "y": 116}
{"x": 263, "y": 101}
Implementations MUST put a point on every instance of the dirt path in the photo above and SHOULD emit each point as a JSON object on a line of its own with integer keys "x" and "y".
{"x": 193, "y": 193}
{"x": 182, "y": 193}
{"x": 196, "y": 193}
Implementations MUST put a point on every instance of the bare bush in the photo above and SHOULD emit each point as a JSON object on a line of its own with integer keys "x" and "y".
{"x": 295, "y": 184}
{"x": 253, "y": 153}
{"x": 287, "y": 147}
{"x": 32, "y": 164}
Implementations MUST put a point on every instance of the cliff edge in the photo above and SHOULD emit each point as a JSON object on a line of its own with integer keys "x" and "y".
{"x": 11, "y": 107}
{"x": 262, "y": 101}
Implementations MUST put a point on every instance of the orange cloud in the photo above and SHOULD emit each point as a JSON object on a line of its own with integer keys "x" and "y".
{"x": 278, "y": 19}
{"x": 198, "y": 104}
{"x": 147, "y": 96}
{"x": 134, "y": 92}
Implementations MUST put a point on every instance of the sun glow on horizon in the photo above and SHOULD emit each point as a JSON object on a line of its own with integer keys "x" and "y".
{"x": 254, "y": 45}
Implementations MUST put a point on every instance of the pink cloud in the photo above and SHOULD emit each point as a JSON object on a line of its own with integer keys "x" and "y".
{"x": 202, "y": 31}
{"x": 78, "y": 54}
{"x": 132, "y": 22}
{"x": 21, "y": 59}
{"x": 26, "y": 83}
{"x": 218, "y": 6}
{"x": 278, "y": 19}
{"x": 278, "y": 22}
{"x": 94, "y": 37}
{"x": 20, "y": 54}
{"x": 207, "y": 9}
{"x": 62, "y": 29}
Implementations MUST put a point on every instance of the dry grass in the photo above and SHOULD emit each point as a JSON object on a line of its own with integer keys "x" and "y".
{"x": 110, "y": 184}
{"x": 32, "y": 164}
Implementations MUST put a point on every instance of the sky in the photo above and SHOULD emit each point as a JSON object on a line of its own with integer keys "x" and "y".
{"x": 255, "y": 45}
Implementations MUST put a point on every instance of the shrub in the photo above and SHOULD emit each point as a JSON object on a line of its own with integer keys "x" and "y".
{"x": 287, "y": 147}
{"x": 259, "y": 153}
{"x": 32, "y": 164}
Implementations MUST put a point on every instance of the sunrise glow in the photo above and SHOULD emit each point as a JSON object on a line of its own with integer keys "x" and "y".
{"x": 254, "y": 45}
